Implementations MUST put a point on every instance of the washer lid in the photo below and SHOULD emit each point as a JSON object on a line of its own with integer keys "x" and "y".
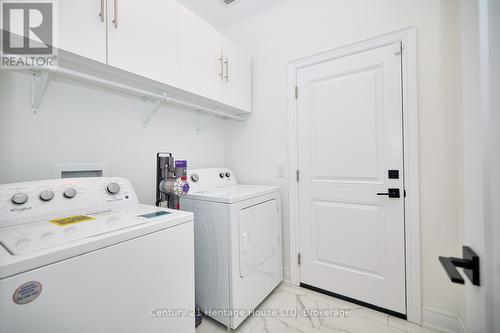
{"x": 35, "y": 236}
{"x": 40, "y": 243}
{"x": 232, "y": 194}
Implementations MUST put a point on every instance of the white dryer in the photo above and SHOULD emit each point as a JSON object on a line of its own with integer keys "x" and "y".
{"x": 238, "y": 248}
{"x": 82, "y": 255}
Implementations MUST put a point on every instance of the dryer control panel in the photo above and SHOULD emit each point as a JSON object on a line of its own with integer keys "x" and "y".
{"x": 210, "y": 178}
{"x": 30, "y": 201}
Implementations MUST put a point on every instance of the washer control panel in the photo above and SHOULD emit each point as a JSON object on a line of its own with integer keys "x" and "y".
{"x": 31, "y": 201}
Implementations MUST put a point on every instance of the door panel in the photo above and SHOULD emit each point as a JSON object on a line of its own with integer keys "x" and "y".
{"x": 200, "y": 56}
{"x": 237, "y": 82}
{"x": 361, "y": 236}
{"x": 144, "y": 40}
{"x": 258, "y": 235}
{"x": 361, "y": 157}
{"x": 350, "y": 135}
{"x": 80, "y": 28}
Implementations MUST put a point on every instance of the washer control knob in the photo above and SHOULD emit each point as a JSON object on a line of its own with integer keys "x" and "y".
{"x": 19, "y": 198}
{"x": 69, "y": 193}
{"x": 46, "y": 195}
{"x": 228, "y": 174}
{"x": 113, "y": 188}
{"x": 195, "y": 177}
{"x": 221, "y": 175}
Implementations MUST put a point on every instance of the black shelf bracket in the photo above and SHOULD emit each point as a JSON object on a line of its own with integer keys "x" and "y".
{"x": 469, "y": 263}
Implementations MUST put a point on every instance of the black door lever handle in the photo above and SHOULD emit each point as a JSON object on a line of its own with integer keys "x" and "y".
{"x": 469, "y": 262}
{"x": 392, "y": 193}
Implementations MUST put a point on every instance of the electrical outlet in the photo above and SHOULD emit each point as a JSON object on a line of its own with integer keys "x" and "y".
{"x": 281, "y": 171}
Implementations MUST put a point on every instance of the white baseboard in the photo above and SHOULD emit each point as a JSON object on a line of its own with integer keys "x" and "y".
{"x": 286, "y": 274}
{"x": 442, "y": 321}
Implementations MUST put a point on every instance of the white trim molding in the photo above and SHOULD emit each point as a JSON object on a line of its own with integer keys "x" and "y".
{"x": 442, "y": 321}
{"x": 286, "y": 274}
{"x": 408, "y": 37}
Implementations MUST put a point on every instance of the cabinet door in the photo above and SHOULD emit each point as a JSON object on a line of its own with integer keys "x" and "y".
{"x": 143, "y": 38}
{"x": 200, "y": 56}
{"x": 82, "y": 28}
{"x": 237, "y": 80}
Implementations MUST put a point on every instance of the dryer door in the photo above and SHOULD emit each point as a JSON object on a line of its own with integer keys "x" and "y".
{"x": 258, "y": 234}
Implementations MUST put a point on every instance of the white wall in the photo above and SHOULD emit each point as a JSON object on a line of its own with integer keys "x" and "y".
{"x": 82, "y": 125}
{"x": 296, "y": 28}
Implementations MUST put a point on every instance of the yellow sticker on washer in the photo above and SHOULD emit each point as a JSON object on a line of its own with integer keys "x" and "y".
{"x": 62, "y": 222}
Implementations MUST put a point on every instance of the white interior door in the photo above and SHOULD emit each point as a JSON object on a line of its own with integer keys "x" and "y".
{"x": 143, "y": 38}
{"x": 349, "y": 137}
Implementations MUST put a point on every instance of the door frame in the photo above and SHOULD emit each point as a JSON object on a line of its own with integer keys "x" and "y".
{"x": 408, "y": 38}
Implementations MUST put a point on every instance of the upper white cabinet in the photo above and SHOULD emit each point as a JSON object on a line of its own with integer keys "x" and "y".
{"x": 82, "y": 28}
{"x": 200, "y": 54}
{"x": 237, "y": 76}
{"x": 143, "y": 38}
{"x": 161, "y": 40}
{"x": 211, "y": 65}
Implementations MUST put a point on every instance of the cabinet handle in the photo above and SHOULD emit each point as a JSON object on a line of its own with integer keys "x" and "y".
{"x": 115, "y": 18}
{"x": 101, "y": 14}
{"x": 221, "y": 73}
{"x": 226, "y": 62}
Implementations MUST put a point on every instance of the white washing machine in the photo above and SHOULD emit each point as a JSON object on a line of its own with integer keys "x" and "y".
{"x": 82, "y": 255}
{"x": 238, "y": 250}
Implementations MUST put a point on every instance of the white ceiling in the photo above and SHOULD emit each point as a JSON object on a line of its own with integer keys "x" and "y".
{"x": 222, "y": 16}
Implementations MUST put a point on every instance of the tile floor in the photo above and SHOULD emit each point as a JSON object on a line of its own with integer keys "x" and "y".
{"x": 326, "y": 314}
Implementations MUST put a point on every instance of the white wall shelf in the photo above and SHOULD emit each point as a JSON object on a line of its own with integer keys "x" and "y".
{"x": 152, "y": 93}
